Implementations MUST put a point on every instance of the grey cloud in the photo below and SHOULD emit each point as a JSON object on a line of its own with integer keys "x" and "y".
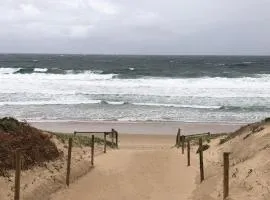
{"x": 139, "y": 27}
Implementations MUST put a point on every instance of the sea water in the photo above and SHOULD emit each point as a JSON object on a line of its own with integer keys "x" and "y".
{"x": 135, "y": 88}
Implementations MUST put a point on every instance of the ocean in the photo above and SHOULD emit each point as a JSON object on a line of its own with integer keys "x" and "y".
{"x": 227, "y": 89}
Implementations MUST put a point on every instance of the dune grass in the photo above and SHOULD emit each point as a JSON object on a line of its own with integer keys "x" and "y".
{"x": 82, "y": 140}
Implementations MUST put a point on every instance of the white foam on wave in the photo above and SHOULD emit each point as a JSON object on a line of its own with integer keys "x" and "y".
{"x": 78, "y": 101}
{"x": 62, "y": 101}
{"x": 92, "y": 83}
{"x": 96, "y": 75}
{"x": 8, "y": 73}
{"x": 40, "y": 70}
{"x": 4, "y": 70}
{"x": 177, "y": 105}
{"x": 22, "y": 103}
{"x": 116, "y": 102}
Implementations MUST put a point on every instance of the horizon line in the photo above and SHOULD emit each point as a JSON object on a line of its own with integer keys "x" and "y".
{"x": 127, "y": 54}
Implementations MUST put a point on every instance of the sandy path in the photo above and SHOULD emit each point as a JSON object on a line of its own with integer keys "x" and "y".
{"x": 140, "y": 172}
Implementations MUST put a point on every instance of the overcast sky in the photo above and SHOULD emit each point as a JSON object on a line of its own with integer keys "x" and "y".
{"x": 135, "y": 26}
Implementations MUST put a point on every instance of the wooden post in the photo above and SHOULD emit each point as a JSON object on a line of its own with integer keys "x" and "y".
{"x": 69, "y": 160}
{"x": 92, "y": 150}
{"x": 226, "y": 175}
{"x": 201, "y": 160}
{"x": 17, "y": 175}
{"x": 179, "y": 138}
{"x": 112, "y": 134}
{"x": 183, "y": 143}
{"x": 188, "y": 152}
{"x": 75, "y": 133}
{"x": 105, "y": 143}
{"x": 116, "y": 138}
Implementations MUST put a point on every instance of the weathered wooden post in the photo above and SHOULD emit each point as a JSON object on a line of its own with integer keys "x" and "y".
{"x": 188, "y": 152}
{"x": 92, "y": 150}
{"x": 69, "y": 160}
{"x": 112, "y": 134}
{"x": 116, "y": 138}
{"x": 226, "y": 175}
{"x": 201, "y": 160}
{"x": 105, "y": 143}
{"x": 177, "y": 139}
{"x": 183, "y": 143}
{"x": 17, "y": 175}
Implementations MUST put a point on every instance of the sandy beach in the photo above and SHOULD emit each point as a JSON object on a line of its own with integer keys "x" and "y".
{"x": 148, "y": 166}
{"x": 144, "y": 167}
{"x": 155, "y": 128}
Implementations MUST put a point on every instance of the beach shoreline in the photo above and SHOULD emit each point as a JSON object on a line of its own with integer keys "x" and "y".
{"x": 145, "y": 128}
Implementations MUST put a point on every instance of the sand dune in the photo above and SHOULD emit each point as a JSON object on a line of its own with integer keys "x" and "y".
{"x": 249, "y": 166}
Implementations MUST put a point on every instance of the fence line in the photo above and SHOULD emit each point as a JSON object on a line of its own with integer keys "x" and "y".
{"x": 182, "y": 139}
{"x": 18, "y": 164}
{"x": 199, "y": 134}
{"x": 113, "y": 133}
{"x": 18, "y": 160}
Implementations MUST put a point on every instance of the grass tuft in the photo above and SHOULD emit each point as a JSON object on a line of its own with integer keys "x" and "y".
{"x": 82, "y": 140}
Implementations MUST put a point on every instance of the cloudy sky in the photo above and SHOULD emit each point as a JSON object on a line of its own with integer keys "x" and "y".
{"x": 135, "y": 26}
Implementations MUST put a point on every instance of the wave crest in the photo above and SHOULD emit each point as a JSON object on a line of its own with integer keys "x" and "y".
{"x": 31, "y": 70}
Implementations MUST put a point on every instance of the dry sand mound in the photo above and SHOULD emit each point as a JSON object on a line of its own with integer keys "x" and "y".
{"x": 36, "y": 147}
{"x": 249, "y": 165}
